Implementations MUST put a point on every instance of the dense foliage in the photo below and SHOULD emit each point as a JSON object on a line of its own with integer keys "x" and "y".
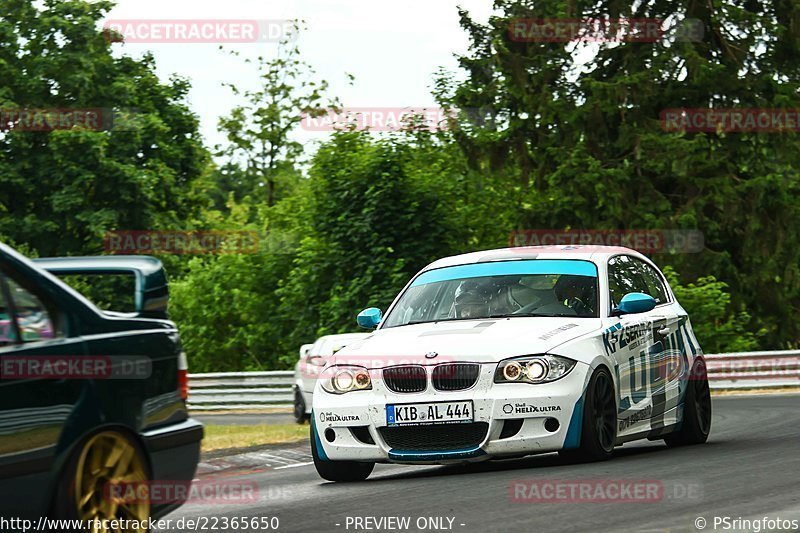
{"x": 539, "y": 143}
{"x": 61, "y": 190}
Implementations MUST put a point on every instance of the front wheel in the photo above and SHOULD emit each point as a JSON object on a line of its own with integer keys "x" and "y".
{"x": 299, "y": 411}
{"x": 599, "y": 428}
{"x": 337, "y": 470}
{"x": 696, "y": 410}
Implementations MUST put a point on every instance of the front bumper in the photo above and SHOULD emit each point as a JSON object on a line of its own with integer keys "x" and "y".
{"x": 341, "y": 421}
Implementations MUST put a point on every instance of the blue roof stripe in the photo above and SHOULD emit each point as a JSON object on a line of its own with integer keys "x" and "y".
{"x": 500, "y": 268}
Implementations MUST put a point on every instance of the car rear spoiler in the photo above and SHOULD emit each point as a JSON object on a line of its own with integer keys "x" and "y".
{"x": 152, "y": 292}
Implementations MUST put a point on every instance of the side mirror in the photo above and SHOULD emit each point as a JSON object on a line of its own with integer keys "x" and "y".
{"x": 369, "y": 318}
{"x": 635, "y": 302}
{"x": 305, "y": 350}
{"x": 316, "y": 360}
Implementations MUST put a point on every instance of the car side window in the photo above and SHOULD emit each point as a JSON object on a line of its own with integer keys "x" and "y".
{"x": 35, "y": 321}
{"x": 624, "y": 276}
{"x": 655, "y": 284}
{"x": 8, "y": 335}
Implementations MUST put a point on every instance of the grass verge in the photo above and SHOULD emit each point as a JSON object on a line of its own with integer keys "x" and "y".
{"x": 222, "y": 437}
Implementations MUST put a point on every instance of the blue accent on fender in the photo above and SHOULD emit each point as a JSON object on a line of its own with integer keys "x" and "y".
{"x": 434, "y": 455}
{"x": 575, "y": 428}
{"x": 575, "y": 267}
{"x": 683, "y": 381}
{"x": 320, "y": 450}
{"x": 689, "y": 340}
{"x": 624, "y": 403}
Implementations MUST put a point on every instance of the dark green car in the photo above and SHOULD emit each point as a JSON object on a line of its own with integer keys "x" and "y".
{"x": 89, "y": 399}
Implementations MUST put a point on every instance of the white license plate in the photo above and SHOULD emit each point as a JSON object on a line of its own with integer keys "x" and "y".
{"x": 428, "y": 413}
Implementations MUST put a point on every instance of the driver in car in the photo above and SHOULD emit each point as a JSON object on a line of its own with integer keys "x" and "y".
{"x": 471, "y": 300}
{"x": 577, "y": 293}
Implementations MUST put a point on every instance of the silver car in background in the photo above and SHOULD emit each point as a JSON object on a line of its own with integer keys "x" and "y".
{"x": 312, "y": 358}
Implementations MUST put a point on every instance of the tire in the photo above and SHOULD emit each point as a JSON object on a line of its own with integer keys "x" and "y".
{"x": 79, "y": 478}
{"x": 599, "y": 427}
{"x": 337, "y": 470}
{"x": 299, "y": 408}
{"x": 696, "y": 410}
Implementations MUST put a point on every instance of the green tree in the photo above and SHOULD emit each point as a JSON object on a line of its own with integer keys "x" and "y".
{"x": 259, "y": 132}
{"x": 61, "y": 190}
{"x": 581, "y": 145}
{"x": 379, "y": 211}
{"x": 718, "y": 326}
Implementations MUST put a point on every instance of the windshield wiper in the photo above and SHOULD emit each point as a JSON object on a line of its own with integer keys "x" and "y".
{"x": 418, "y": 322}
{"x": 543, "y": 315}
{"x": 499, "y": 315}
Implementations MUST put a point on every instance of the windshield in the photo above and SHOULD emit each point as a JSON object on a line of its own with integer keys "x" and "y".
{"x": 539, "y": 287}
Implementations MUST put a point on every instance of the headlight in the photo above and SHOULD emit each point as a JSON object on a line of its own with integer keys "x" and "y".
{"x": 345, "y": 378}
{"x": 533, "y": 369}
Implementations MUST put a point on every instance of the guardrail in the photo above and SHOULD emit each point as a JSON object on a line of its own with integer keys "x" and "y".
{"x": 754, "y": 370}
{"x": 222, "y": 391}
{"x": 233, "y": 391}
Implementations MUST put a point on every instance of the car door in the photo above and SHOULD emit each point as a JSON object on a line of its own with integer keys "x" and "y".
{"x": 34, "y": 406}
{"x": 636, "y": 343}
{"x": 667, "y": 354}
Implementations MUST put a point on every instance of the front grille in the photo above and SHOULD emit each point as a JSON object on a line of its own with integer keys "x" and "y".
{"x": 408, "y": 378}
{"x": 456, "y": 376}
{"x": 435, "y": 437}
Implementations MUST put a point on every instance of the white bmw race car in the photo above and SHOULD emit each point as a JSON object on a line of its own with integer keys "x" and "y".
{"x": 512, "y": 352}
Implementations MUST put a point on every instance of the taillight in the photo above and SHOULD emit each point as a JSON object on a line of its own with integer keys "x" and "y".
{"x": 183, "y": 376}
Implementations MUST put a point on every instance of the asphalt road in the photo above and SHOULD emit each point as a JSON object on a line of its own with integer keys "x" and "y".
{"x": 750, "y": 468}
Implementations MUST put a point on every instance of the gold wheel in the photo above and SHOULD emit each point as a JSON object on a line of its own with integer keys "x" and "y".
{"x": 109, "y": 459}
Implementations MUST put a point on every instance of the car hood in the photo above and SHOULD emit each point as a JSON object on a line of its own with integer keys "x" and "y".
{"x": 484, "y": 341}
